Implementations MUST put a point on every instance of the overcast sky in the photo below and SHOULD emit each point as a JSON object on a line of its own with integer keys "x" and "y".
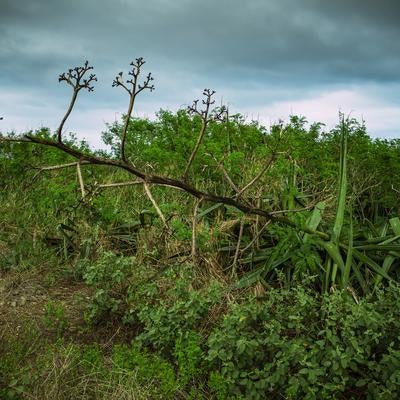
{"x": 265, "y": 58}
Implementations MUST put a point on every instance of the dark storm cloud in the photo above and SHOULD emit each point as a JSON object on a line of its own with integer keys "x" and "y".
{"x": 263, "y": 50}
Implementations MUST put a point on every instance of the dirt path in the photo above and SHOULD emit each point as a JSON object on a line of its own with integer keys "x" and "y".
{"x": 29, "y": 296}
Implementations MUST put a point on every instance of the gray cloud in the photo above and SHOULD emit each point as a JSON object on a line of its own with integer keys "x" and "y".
{"x": 257, "y": 52}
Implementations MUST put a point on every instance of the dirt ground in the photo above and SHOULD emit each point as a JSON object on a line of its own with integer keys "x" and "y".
{"x": 25, "y": 296}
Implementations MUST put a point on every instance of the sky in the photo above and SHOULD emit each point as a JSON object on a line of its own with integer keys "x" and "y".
{"x": 266, "y": 59}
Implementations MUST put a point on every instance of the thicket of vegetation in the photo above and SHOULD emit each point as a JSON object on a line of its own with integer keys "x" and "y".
{"x": 272, "y": 272}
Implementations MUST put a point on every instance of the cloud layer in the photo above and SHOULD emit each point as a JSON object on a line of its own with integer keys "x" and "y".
{"x": 262, "y": 57}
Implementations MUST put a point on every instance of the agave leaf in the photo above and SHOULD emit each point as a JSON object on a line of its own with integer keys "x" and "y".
{"x": 250, "y": 278}
{"x": 387, "y": 263}
{"x": 360, "y": 278}
{"x": 333, "y": 251}
{"x": 349, "y": 258}
{"x": 257, "y": 273}
{"x": 208, "y": 211}
{"x": 371, "y": 263}
{"x": 395, "y": 225}
{"x": 337, "y": 228}
{"x": 373, "y": 228}
{"x": 379, "y": 247}
{"x": 314, "y": 220}
{"x": 373, "y": 240}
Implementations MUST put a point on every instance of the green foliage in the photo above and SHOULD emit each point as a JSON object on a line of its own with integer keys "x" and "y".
{"x": 167, "y": 319}
{"x": 148, "y": 368}
{"x": 108, "y": 277}
{"x": 301, "y": 345}
{"x": 189, "y": 357}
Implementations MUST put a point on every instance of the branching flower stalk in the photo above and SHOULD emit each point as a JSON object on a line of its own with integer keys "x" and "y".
{"x": 133, "y": 88}
{"x": 206, "y": 118}
{"x": 75, "y": 77}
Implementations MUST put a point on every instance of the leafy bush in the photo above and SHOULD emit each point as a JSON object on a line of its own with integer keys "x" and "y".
{"x": 297, "y": 344}
{"x": 167, "y": 318}
{"x": 108, "y": 277}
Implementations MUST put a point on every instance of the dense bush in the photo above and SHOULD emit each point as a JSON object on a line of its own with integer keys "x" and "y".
{"x": 295, "y": 344}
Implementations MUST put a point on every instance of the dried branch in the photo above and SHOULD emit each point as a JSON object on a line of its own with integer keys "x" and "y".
{"x": 81, "y": 184}
{"x": 155, "y": 205}
{"x": 194, "y": 230}
{"x": 395, "y": 190}
{"x": 256, "y": 237}
{"x": 75, "y": 77}
{"x": 226, "y": 175}
{"x": 54, "y": 167}
{"x": 165, "y": 181}
{"x": 119, "y": 184}
{"x": 258, "y": 176}
{"x": 133, "y": 88}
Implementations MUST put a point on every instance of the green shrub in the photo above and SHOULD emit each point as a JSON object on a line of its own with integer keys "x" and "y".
{"x": 108, "y": 276}
{"x": 168, "y": 318}
{"x": 297, "y": 344}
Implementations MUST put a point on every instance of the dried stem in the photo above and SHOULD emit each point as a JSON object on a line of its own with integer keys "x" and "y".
{"x": 194, "y": 230}
{"x": 258, "y": 176}
{"x": 81, "y": 184}
{"x": 237, "y": 251}
{"x": 54, "y": 167}
{"x": 119, "y": 184}
{"x": 257, "y": 236}
{"x": 155, "y": 205}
